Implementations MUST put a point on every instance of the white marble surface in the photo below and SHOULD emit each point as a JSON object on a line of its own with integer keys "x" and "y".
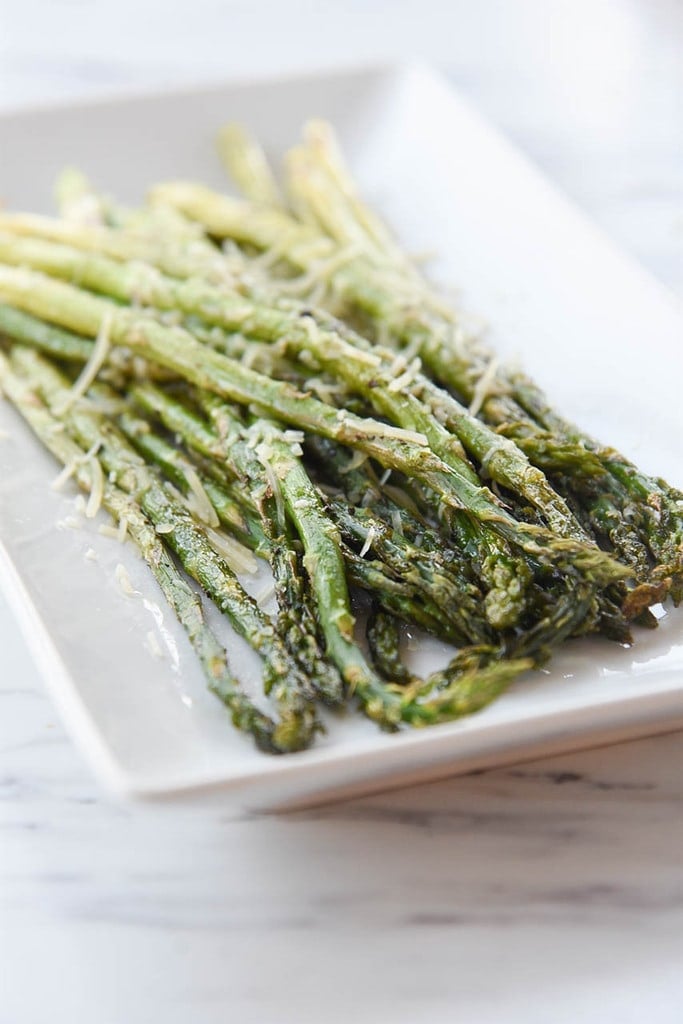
{"x": 546, "y": 892}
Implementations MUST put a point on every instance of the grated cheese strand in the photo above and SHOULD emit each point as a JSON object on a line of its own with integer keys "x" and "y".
{"x": 359, "y": 355}
{"x": 375, "y": 428}
{"x": 407, "y": 378}
{"x": 204, "y": 509}
{"x": 500, "y": 445}
{"x": 105, "y": 530}
{"x": 239, "y": 558}
{"x": 93, "y": 366}
{"x": 482, "y": 388}
{"x": 96, "y": 489}
{"x": 124, "y": 580}
{"x": 356, "y": 460}
{"x": 71, "y": 467}
{"x": 152, "y": 644}
{"x": 371, "y": 534}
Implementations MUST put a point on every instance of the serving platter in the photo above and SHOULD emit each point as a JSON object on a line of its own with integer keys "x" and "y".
{"x": 600, "y": 335}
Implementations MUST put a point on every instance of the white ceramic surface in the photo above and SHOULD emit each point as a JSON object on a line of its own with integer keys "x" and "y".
{"x": 592, "y": 327}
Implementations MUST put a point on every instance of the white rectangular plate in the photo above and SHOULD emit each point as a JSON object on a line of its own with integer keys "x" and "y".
{"x": 594, "y": 329}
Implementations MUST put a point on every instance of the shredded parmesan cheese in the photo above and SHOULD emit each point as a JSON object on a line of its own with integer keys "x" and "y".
{"x": 108, "y": 531}
{"x": 310, "y": 561}
{"x": 91, "y": 555}
{"x": 316, "y": 297}
{"x": 92, "y": 367}
{"x": 203, "y": 507}
{"x": 356, "y": 460}
{"x": 375, "y": 428}
{"x": 483, "y": 386}
{"x": 398, "y": 365}
{"x": 371, "y": 534}
{"x": 320, "y": 272}
{"x": 96, "y": 489}
{"x": 501, "y": 444}
{"x": 325, "y": 392}
{"x": 407, "y": 378}
{"x": 239, "y": 558}
{"x": 152, "y": 644}
{"x": 71, "y": 467}
{"x": 124, "y": 580}
{"x": 250, "y": 355}
{"x": 340, "y": 347}
{"x": 69, "y": 523}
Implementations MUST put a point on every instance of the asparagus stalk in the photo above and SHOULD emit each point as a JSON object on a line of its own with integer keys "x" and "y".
{"x": 179, "y": 470}
{"x": 384, "y": 638}
{"x": 370, "y": 374}
{"x": 76, "y": 199}
{"x": 459, "y": 600}
{"x": 213, "y": 451}
{"x": 60, "y": 344}
{"x": 536, "y": 584}
{"x": 180, "y": 596}
{"x": 322, "y": 556}
{"x": 379, "y": 703}
{"x": 282, "y": 677}
{"x": 247, "y": 164}
{"x": 641, "y": 510}
{"x": 242, "y": 461}
{"x": 506, "y": 578}
{"x": 504, "y": 462}
{"x": 391, "y": 595}
{"x": 387, "y": 588}
{"x": 322, "y": 157}
{"x": 171, "y": 251}
{"x": 297, "y": 621}
{"x": 394, "y": 448}
{"x": 247, "y": 527}
{"x": 415, "y": 317}
{"x": 397, "y": 597}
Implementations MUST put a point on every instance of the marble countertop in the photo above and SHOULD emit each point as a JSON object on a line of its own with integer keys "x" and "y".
{"x": 549, "y": 891}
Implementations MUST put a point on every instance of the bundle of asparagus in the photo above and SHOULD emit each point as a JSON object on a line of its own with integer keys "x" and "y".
{"x": 272, "y": 377}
